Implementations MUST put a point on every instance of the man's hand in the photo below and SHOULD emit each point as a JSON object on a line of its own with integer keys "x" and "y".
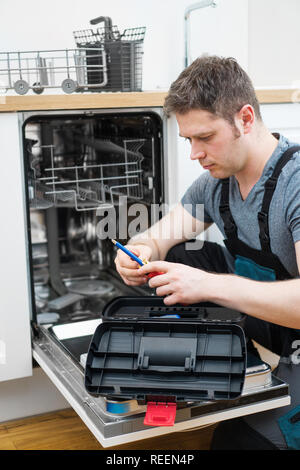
{"x": 128, "y": 269}
{"x": 179, "y": 283}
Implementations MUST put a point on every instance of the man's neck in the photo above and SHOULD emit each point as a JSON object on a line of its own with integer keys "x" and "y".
{"x": 260, "y": 149}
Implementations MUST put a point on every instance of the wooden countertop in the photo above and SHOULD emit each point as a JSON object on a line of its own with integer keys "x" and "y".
{"x": 82, "y": 101}
{"x": 118, "y": 100}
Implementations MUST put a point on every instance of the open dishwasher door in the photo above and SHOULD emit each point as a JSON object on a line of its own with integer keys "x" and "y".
{"x": 59, "y": 351}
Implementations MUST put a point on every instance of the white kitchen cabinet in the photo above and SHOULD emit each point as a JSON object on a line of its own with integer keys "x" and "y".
{"x": 15, "y": 347}
{"x": 283, "y": 118}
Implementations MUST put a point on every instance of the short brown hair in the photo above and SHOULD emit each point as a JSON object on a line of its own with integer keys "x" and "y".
{"x": 215, "y": 84}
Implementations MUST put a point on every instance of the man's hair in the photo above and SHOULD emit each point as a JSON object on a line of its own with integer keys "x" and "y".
{"x": 215, "y": 84}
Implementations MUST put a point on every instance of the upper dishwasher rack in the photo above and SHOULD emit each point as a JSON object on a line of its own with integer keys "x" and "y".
{"x": 88, "y": 185}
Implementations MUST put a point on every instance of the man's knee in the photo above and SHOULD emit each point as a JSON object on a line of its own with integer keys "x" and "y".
{"x": 236, "y": 434}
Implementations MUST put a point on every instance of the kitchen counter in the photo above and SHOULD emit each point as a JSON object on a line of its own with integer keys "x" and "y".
{"x": 15, "y": 103}
{"x": 82, "y": 101}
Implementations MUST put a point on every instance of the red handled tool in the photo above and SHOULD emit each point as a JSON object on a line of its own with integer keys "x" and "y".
{"x": 150, "y": 275}
{"x": 135, "y": 258}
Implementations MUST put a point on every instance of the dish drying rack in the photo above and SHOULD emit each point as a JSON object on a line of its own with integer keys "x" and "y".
{"x": 68, "y": 69}
{"x": 88, "y": 186}
{"x": 124, "y": 53}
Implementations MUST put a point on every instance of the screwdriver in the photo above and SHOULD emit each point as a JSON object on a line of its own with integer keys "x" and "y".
{"x": 138, "y": 260}
{"x": 135, "y": 258}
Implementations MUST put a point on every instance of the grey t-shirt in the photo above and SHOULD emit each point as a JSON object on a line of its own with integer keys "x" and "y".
{"x": 284, "y": 212}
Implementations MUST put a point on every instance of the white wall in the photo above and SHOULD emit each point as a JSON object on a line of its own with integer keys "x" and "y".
{"x": 274, "y": 38}
{"x": 222, "y": 30}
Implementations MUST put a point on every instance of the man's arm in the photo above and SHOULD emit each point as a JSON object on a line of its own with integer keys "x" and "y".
{"x": 175, "y": 227}
{"x": 276, "y": 302}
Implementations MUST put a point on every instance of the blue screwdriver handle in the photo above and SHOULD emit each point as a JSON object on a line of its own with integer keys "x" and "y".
{"x": 129, "y": 253}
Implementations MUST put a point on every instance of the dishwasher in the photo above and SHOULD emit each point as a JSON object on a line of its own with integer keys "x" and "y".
{"x": 83, "y": 170}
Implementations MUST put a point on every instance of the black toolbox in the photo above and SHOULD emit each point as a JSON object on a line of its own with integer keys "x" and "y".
{"x": 164, "y": 356}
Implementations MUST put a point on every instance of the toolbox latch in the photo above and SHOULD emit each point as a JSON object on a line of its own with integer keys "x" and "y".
{"x": 160, "y": 414}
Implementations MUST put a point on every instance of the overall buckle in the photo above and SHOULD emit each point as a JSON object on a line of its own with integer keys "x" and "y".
{"x": 271, "y": 183}
{"x": 262, "y": 216}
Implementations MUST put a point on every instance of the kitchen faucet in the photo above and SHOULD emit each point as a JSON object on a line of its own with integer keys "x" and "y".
{"x": 187, "y": 13}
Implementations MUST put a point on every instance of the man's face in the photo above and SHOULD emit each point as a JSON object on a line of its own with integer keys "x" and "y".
{"x": 214, "y": 142}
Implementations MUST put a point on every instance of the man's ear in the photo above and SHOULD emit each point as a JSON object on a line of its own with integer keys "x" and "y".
{"x": 246, "y": 118}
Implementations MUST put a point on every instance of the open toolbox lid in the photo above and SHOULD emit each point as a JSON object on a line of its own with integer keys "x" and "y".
{"x": 139, "y": 353}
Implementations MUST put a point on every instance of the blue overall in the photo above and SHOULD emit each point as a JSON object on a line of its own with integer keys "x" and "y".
{"x": 263, "y": 265}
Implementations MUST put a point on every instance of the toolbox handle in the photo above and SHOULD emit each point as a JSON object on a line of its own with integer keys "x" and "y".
{"x": 167, "y": 356}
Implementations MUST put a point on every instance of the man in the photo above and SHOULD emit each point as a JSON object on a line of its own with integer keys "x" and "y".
{"x": 251, "y": 190}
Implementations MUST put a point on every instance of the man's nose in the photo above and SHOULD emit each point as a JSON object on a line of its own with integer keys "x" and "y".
{"x": 197, "y": 153}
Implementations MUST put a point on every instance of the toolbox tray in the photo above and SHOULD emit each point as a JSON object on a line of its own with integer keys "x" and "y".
{"x": 152, "y": 307}
{"x": 139, "y": 353}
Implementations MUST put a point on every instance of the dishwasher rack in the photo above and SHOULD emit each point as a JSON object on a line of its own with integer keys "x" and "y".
{"x": 87, "y": 186}
{"x": 124, "y": 53}
{"x": 69, "y": 69}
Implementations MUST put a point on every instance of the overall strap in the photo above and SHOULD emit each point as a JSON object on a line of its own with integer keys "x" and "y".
{"x": 270, "y": 186}
{"x": 230, "y": 227}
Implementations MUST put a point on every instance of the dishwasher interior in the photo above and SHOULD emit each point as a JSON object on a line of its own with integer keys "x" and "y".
{"x": 84, "y": 173}
{"x": 88, "y": 177}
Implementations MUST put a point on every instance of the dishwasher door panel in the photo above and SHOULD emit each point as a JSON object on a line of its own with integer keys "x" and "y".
{"x": 116, "y": 429}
